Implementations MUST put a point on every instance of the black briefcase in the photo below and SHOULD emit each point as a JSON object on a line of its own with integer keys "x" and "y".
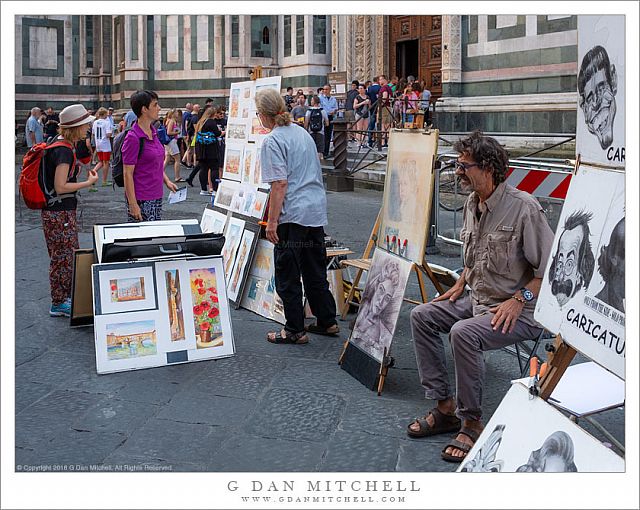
{"x": 201, "y": 245}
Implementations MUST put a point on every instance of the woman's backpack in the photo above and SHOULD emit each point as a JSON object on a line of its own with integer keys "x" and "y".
{"x": 33, "y": 185}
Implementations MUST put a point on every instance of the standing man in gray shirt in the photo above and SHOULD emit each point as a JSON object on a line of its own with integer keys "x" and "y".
{"x": 297, "y": 215}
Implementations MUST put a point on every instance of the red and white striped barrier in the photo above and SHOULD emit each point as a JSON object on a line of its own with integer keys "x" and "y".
{"x": 540, "y": 183}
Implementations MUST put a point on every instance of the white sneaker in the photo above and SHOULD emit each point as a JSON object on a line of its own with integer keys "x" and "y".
{"x": 205, "y": 193}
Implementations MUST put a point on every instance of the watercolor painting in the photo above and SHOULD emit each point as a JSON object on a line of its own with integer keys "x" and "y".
{"x": 231, "y": 243}
{"x": 241, "y": 266}
{"x": 528, "y": 435}
{"x": 206, "y": 307}
{"x": 225, "y": 193}
{"x": 174, "y": 305}
{"x": 232, "y": 161}
{"x": 126, "y": 340}
{"x": 234, "y": 101}
{"x": 259, "y": 205}
{"x": 408, "y": 190}
{"x": 127, "y": 289}
{"x": 237, "y": 130}
{"x": 212, "y": 222}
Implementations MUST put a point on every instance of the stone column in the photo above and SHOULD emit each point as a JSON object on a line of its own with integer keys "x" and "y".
{"x": 218, "y": 42}
{"x": 451, "y": 55}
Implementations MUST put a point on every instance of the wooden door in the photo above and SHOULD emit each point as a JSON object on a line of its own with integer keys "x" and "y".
{"x": 428, "y": 31}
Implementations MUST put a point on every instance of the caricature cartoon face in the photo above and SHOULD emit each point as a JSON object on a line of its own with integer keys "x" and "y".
{"x": 567, "y": 278}
{"x": 599, "y": 107}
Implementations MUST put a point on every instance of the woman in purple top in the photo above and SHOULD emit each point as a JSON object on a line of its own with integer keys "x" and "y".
{"x": 142, "y": 161}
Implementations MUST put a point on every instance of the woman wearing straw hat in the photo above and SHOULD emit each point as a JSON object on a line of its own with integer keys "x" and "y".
{"x": 143, "y": 170}
{"x": 297, "y": 215}
{"x": 59, "y": 215}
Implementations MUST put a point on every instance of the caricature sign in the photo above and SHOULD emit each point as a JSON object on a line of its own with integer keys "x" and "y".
{"x": 583, "y": 292}
{"x": 600, "y": 131}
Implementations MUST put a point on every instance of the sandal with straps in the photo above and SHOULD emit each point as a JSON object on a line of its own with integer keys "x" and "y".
{"x": 287, "y": 337}
{"x": 459, "y": 445}
{"x": 442, "y": 423}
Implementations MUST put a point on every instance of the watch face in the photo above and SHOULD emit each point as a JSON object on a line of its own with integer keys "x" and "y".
{"x": 527, "y": 294}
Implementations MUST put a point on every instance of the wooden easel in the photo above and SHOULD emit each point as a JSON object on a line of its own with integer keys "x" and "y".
{"x": 364, "y": 264}
{"x": 558, "y": 360}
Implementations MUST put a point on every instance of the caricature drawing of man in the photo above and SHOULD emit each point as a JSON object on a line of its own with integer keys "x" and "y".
{"x": 611, "y": 267}
{"x": 573, "y": 263}
{"x": 597, "y": 87}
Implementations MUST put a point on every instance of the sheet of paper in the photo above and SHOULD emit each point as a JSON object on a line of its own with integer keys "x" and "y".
{"x": 178, "y": 196}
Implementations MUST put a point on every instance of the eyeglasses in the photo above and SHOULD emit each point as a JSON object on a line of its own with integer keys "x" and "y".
{"x": 459, "y": 165}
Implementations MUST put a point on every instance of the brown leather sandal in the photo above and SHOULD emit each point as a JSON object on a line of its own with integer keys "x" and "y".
{"x": 332, "y": 330}
{"x": 459, "y": 445}
{"x": 287, "y": 337}
{"x": 442, "y": 424}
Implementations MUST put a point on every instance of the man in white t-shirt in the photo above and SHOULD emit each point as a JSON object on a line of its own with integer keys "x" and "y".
{"x": 102, "y": 133}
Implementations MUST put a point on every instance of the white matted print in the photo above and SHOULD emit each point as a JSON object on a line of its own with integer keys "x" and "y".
{"x": 175, "y": 314}
{"x": 270, "y": 82}
{"x": 408, "y": 191}
{"x": 583, "y": 295}
{"x": 381, "y": 302}
{"x": 233, "y": 155}
{"x": 256, "y": 171}
{"x": 241, "y": 265}
{"x": 212, "y": 222}
{"x": 259, "y": 293}
{"x": 237, "y": 130}
{"x": 260, "y": 205}
{"x": 210, "y": 320}
{"x": 600, "y": 129}
{"x": 231, "y": 243}
{"x": 224, "y": 195}
{"x": 529, "y": 435}
{"x": 247, "y": 165}
{"x": 124, "y": 290}
{"x": 127, "y": 341}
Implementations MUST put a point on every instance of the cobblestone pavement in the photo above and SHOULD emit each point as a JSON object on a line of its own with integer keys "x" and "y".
{"x": 268, "y": 408}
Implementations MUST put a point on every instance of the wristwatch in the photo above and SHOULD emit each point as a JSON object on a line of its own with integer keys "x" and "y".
{"x": 527, "y": 296}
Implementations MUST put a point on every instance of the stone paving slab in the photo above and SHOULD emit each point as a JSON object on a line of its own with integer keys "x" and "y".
{"x": 199, "y": 406}
{"x": 57, "y": 368}
{"x": 248, "y": 453}
{"x": 28, "y": 393}
{"x": 174, "y": 441}
{"x": 355, "y": 451}
{"x": 308, "y": 415}
{"x": 115, "y": 416}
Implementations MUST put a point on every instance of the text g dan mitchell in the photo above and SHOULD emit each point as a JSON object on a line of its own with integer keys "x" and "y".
{"x": 324, "y": 486}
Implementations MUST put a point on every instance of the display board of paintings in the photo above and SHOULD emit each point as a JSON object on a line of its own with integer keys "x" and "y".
{"x": 528, "y": 435}
{"x": 408, "y": 192}
{"x": 583, "y": 291}
{"x": 600, "y": 129}
{"x": 153, "y": 313}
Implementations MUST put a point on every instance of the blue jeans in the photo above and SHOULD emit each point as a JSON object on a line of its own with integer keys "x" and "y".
{"x": 372, "y": 124}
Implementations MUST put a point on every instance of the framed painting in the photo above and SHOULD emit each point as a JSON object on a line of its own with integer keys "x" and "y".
{"x": 260, "y": 205}
{"x": 174, "y": 316}
{"x": 237, "y": 130}
{"x": 380, "y": 305}
{"x": 248, "y": 164}
{"x": 81, "y": 288}
{"x": 210, "y": 319}
{"x": 118, "y": 287}
{"x": 212, "y": 221}
{"x": 241, "y": 266}
{"x": 127, "y": 341}
{"x": 260, "y": 294}
{"x": 600, "y": 126}
{"x": 408, "y": 193}
{"x": 233, "y": 155}
{"x": 224, "y": 195}
{"x": 528, "y": 435}
{"x": 233, "y": 236}
{"x": 583, "y": 291}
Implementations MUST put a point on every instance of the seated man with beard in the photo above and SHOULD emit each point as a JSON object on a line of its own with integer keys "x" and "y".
{"x": 507, "y": 241}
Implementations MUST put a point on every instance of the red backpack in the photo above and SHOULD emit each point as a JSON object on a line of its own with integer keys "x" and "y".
{"x": 33, "y": 186}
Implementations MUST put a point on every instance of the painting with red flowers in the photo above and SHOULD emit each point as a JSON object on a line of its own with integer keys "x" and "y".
{"x": 206, "y": 307}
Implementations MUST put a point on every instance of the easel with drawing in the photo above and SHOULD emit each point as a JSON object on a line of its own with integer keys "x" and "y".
{"x": 362, "y": 365}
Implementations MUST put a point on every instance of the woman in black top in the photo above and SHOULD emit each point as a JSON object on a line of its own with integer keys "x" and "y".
{"x": 59, "y": 215}
{"x": 207, "y": 152}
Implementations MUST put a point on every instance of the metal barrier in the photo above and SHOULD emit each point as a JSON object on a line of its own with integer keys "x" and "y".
{"x": 546, "y": 179}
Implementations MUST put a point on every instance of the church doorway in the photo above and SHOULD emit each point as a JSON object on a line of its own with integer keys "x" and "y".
{"x": 407, "y": 58}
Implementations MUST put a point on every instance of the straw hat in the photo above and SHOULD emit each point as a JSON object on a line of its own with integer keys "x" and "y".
{"x": 75, "y": 115}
